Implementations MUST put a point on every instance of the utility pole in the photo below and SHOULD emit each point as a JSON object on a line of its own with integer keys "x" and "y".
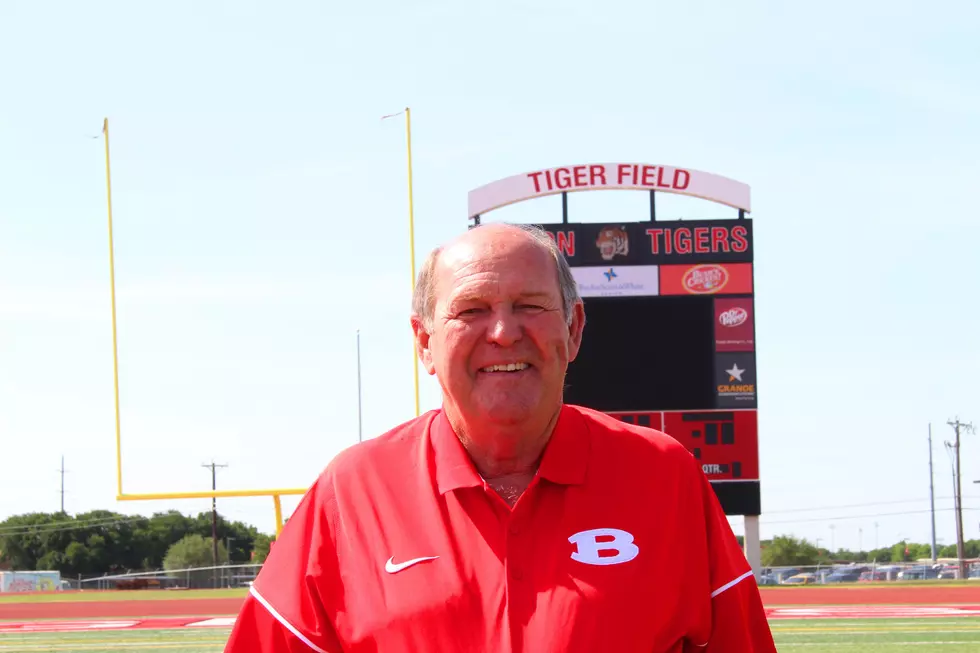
{"x": 932, "y": 499}
{"x": 957, "y": 425}
{"x": 214, "y": 519}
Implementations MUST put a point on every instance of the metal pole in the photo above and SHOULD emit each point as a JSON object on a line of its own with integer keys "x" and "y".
{"x": 959, "y": 498}
{"x": 214, "y": 520}
{"x": 62, "y": 485}
{"x": 112, "y": 286}
{"x": 932, "y": 499}
{"x": 359, "y": 431}
{"x": 411, "y": 243}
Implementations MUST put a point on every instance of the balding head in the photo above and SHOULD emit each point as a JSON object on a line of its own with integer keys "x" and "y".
{"x": 497, "y": 320}
{"x": 491, "y": 238}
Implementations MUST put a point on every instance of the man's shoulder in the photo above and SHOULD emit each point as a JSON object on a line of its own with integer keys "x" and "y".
{"x": 378, "y": 453}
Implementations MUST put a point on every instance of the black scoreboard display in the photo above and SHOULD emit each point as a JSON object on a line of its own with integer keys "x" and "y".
{"x": 670, "y": 327}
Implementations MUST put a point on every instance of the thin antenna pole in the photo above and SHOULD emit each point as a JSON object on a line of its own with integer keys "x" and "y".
{"x": 62, "y": 484}
{"x": 359, "y": 431}
{"x": 932, "y": 498}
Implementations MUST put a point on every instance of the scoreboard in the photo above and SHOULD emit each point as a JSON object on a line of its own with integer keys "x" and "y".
{"x": 669, "y": 337}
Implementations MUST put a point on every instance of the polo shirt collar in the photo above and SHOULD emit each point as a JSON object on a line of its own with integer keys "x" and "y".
{"x": 565, "y": 460}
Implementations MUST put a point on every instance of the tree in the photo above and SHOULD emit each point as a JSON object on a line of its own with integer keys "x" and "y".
{"x": 193, "y": 551}
{"x": 789, "y": 551}
{"x": 263, "y": 544}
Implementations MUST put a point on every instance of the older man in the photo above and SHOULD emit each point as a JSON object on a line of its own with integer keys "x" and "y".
{"x": 507, "y": 520}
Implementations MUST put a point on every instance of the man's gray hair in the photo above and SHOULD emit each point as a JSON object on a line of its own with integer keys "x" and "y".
{"x": 424, "y": 295}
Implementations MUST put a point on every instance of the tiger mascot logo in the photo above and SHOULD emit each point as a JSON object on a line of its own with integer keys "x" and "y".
{"x": 613, "y": 241}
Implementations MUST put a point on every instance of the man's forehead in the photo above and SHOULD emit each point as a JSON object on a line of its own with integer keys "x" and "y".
{"x": 510, "y": 263}
{"x": 492, "y": 243}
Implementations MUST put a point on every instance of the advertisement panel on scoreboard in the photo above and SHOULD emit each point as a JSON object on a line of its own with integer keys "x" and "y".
{"x": 654, "y": 243}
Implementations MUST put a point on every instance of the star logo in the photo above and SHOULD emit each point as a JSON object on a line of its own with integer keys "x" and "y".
{"x": 735, "y": 374}
{"x": 610, "y": 274}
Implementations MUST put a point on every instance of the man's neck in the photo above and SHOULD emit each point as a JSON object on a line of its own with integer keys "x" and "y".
{"x": 508, "y": 453}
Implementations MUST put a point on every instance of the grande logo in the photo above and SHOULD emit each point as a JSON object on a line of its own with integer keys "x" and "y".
{"x": 705, "y": 279}
{"x": 733, "y": 317}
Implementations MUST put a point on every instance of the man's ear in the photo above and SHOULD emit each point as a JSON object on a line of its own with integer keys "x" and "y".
{"x": 575, "y": 330}
{"x": 422, "y": 340}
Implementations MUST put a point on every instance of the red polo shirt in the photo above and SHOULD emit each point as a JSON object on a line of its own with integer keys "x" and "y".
{"x": 618, "y": 544}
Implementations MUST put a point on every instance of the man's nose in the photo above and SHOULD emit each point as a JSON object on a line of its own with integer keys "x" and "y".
{"x": 505, "y": 327}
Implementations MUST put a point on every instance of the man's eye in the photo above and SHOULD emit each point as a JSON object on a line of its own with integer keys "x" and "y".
{"x": 530, "y": 307}
{"x": 470, "y": 311}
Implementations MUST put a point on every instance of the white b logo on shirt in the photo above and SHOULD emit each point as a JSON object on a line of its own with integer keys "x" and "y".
{"x": 588, "y": 546}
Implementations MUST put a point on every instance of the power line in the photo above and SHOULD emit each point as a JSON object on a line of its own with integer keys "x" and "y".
{"x": 53, "y": 527}
{"x": 858, "y": 505}
{"x": 872, "y": 516}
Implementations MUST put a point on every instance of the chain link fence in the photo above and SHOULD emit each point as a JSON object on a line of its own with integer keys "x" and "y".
{"x": 218, "y": 576}
{"x": 868, "y": 572}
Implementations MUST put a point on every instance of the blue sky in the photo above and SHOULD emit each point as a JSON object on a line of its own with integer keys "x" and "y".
{"x": 260, "y": 220}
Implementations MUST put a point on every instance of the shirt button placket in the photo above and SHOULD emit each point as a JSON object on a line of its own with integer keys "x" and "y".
{"x": 514, "y": 550}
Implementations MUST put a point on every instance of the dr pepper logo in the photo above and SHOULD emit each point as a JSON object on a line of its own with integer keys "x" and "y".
{"x": 733, "y": 317}
{"x": 705, "y": 279}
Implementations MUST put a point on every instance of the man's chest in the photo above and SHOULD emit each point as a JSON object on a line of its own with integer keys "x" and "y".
{"x": 557, "y": 572}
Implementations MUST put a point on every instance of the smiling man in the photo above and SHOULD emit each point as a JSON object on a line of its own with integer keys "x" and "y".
{"x": 507, "y": 520}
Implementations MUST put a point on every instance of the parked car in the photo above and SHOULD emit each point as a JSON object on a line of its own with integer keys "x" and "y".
{"x": 845, "y": 575}
{"x": 920, "y": 572}
{"x": 800, "y": 579}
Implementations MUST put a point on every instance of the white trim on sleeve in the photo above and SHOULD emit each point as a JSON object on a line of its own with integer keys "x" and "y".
{"x": 290, "y": 627}
{"x": 728, "y": 586}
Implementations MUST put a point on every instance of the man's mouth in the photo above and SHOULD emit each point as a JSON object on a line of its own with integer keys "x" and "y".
{"x": 508, "y": 367}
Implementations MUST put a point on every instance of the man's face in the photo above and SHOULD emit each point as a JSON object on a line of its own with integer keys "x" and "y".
{"x": 499, "y": 343}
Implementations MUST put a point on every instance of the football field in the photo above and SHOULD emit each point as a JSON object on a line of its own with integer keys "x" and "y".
{"x": 879, "y": 620}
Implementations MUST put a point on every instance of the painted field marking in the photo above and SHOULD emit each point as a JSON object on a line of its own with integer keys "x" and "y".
{"x": 873, "y": 611}
{"x": 64, "y": 626}
{"x": 218, "y": 646}
{"x": 145, "y": 624}
{"x": 217, "y": 622}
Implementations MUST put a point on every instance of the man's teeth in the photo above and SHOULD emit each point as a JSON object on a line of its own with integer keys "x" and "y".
{"x": 510, "y": 367}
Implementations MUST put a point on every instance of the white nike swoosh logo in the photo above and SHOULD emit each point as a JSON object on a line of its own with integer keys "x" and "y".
{"x": 392, "y": 568}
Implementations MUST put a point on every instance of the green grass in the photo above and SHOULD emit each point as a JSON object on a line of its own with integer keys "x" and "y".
{"x": 171, "y": 641}
{"x": 960, "y": 635}
{"x": 119, "y": 595}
